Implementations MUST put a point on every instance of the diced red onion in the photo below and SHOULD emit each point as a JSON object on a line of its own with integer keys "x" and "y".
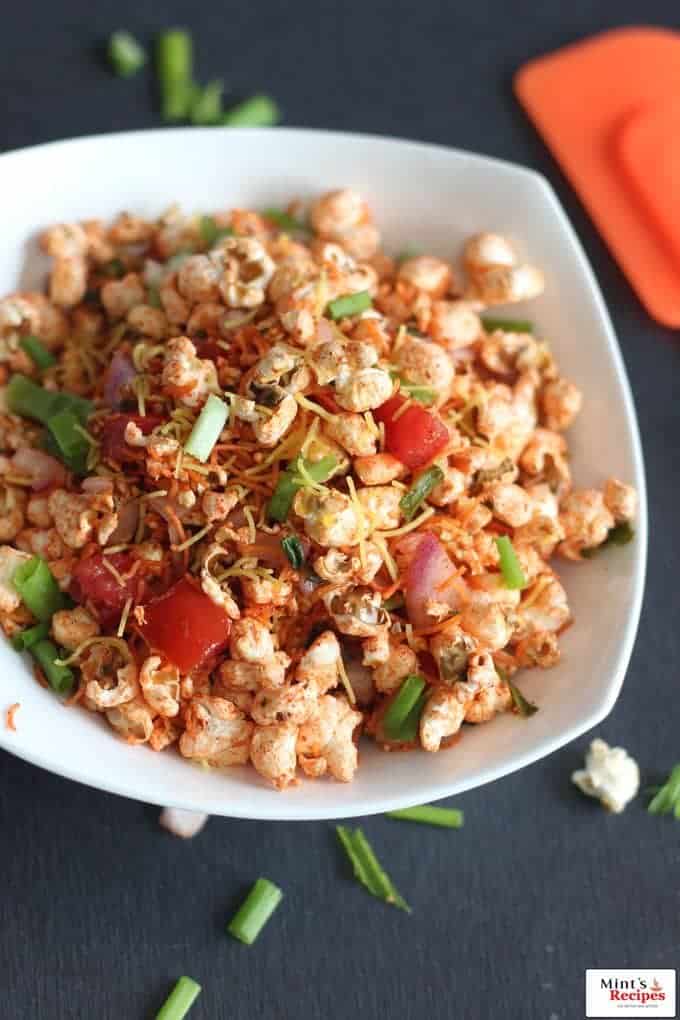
{"x": 40, "y": 467}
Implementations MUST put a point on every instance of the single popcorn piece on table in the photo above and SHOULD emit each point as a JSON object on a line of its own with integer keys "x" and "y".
{"x": 610, "y": 774}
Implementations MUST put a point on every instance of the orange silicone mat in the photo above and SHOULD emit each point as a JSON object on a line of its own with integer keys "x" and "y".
{"x": 607, "y": 109}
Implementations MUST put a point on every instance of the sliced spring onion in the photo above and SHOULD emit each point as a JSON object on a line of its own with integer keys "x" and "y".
{"x": 507, "y": 325}
{"x": 72, "y": 444}
{"x": 206, "y": 107}
{"x": 60, "y": 678}
{"x": 126, "y": 55}
{"x": 349, "y": 304}
{"x": 26, "y": 398}
{"x": 25, "y": 639}
{"x": 666, "y": 800}
{"x": 522, "y": 704}
{"x": 291, "y": 481}
{"x": 401, "y": 707}
{"x": 423, "y": 394}
{"x": 211, "y": 233}
{"x": 428, "y": 814}
{"x": 207, "y": 428}
{"x": 284, "y": 220}
{"x": 255, "y": 911}
{"x": 395, "y": 601}
{"x": 153, "y": 297}
{"x": 420, "y": 490}
{"x": 367, "y": 868}
{"x": 513, "y": 575}
{"x": 406, "y": 254}
{"x": 258, "y": 111}
{"x": 175, "y": 68}
{"x": 114, "y": 268}
{"x": 293, "y": 550}
{"x": 37, "y": 352}
{"x": 180, "y": 1000}
{"x": 621, "y": 534}
{"x": 408, "y": 731}
{"x": 39, "y": 591}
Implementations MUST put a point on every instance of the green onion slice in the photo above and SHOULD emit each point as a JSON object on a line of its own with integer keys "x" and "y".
{"x": 126, "y": 55}
{"x": 72, "y": 444}
{"x": 258, "y": 111}
{"x": 26, "y": 398}
{"x": 255, "y": 911}
{"x": 175, "y": 63}
{"x": 293, "y": 550}
{"x": 667, "y": 798}
{"x": 60, "y": 678}
{"x": 211, "y": 233}
{"x": 284, "y": 220}
{"x": 507, "y": 325}
{"x": 180, "y": 1000}
{"x": 349, "y": 304}
{"x": 25, "y": 639}
{"x": 511, "y": 570}
{"x": 207, "y": 428}
{"x": 406, "y": 254}
{"x": 206, "y": 107}
{"x": 620, "y": 534}
{"x": 525, "y": 707}
{"x": 367, "y": 869}
{"x": 401, "y": 707}
{"x": 39, "y": 591}
{"x": 292, "y": 480}
{"x": 395, "y": 601}
{"x": 420, "y": 490}
{"x": 423, "y": 394}
{"x": 37, "y": 352}
{"x": 428, "y": 814}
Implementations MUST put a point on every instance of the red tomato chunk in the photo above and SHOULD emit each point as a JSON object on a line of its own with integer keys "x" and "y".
{"x": 185, "y": 625}
{"x": 93, "y": 582}
{"x": 416, "y": 437}
{"x": 114, "y": 446}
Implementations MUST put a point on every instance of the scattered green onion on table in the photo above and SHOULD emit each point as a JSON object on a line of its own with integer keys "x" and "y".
{"x": 367, "y": 869}
{"x": 255, "y": 911}
{"x": 429, "y": 814}
{"x": 126, "y": 55}
{"x": 258, "y": 111}
{"x": 175, "y": 71}
{"x": 180, "y": 1000}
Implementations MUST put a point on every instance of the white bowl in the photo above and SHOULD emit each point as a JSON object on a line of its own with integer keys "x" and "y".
{"x": 431, "y": 198}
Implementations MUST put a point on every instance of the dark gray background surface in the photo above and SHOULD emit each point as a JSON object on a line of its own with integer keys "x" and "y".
{"x": 100, "y": 910}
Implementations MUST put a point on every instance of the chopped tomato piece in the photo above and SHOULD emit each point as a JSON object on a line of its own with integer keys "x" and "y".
{"x": 185, "y": 625}
{"x": 113, "y": 442}
{"x": 207, "y": 347}
{"x": 92, "y": 582}
{"x": 416, "y": 436}
{"x": 326, "y": 399}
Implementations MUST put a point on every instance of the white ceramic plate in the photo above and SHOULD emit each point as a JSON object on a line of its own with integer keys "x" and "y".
{"x": 424, "y": 196}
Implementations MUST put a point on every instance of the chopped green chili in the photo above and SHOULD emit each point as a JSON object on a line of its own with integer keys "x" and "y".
{"x": 666, "y": 800}
{"x": 428, "y": 814}
{"x": 26, "y": 398}
{"x": 180, "y": 1000}
{"x": 60, "y": 678}
{"x": 293, "y": 550}
{"x": 284, "y": 220}
{"x": 522, "y": 704}
{"x": 258, "y": 111}
{"x": 25, "y": 639}
{"x": 211, "y": 233}
{"x": 175, "y": 69}
{"x": 420, "y": 490}
{"x": 37, "y": 352}
{"x": 39, "y": 591}
{"x": 72, "y": 444}
{"x": 126, "y": 55}
{"x": 397, "y": 717}
{"x": 367, "y": 869}
{"x": 207, "y": 428}
{"x": 620, "y": 534}
{"x": 511, "y": 570}
{"x": 206, "y": 107}
{"x": 255, "y": 911}
{"x": 507, "y": 325}
{"x": 293, "y": 479}
{"x": 349, "y": 304}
